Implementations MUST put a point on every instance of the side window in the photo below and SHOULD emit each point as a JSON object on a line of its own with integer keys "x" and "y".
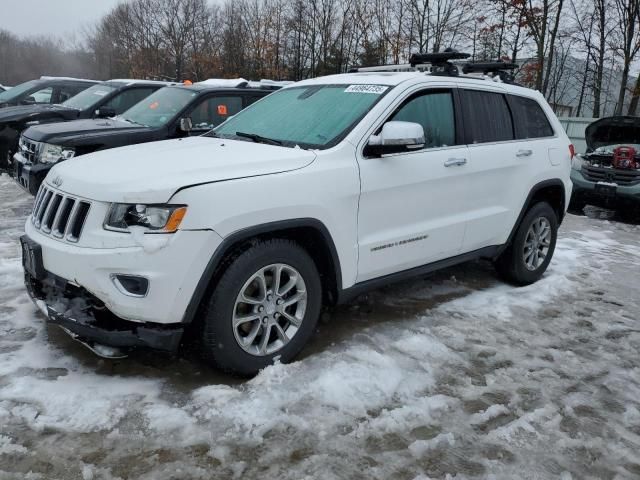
{"x": 65, "y": 92}
{"x": 487, "y": 117}
{"x": 531, "y": 119}
{"x": 250, "y": 100}
{"x": 435, "y": 112}
{"x": 211, "y": 112}
{"x": 127, "y": 99}
{"x": 43, "y": 96}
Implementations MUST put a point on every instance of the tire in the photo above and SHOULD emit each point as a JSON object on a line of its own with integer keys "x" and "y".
{"x": 576, "y": 205}
{"x": 243, "y": 350}
{"x": 514, "y": 264}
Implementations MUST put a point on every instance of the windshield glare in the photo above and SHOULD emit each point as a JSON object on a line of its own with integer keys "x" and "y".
{"x": 314, "y": 116}
{"x": 17, "y": 91}
{"x": 161, "y": 107}
{"x": 89, "y": 97}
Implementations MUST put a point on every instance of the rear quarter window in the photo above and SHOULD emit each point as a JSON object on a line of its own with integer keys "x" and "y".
{"x": 487, "y": 117}
{"x": 530, "y": 119}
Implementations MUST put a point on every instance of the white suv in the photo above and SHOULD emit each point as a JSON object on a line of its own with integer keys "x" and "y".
{"x": 312, "y": 195}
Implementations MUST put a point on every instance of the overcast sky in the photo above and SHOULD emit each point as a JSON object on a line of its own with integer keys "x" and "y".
{"x": 46, "y": 17}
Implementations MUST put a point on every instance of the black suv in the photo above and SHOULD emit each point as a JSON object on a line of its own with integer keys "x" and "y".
{"x": 105, "y": 99}
{"x": 171, "y": 112}
{"x": 43, "y": 91}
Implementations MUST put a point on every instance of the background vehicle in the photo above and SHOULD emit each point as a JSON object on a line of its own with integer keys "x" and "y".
{"x": 105, "y": 99}
{"x": 44, "y": 90}
{"x": 4, "y": 88}
{"x": 314, "y": 194}
{"x": 171, "y": 112}
{"x": 608, "y": 175}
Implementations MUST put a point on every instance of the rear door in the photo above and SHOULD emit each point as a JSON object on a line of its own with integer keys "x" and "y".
{"x": 497, "y": 166}
{"x": 412, "y": 204}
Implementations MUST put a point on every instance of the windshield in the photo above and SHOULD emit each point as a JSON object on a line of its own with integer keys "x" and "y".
{"x": 89, "y": 97}
{"x": 17, "y": 91}
{"x": 161, "y": 107}
{"x": 315, "y": 116}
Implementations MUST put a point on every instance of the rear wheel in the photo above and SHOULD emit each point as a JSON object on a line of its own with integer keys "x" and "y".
{"x": 265, "y": 307}
{"x": 529, "y": 254}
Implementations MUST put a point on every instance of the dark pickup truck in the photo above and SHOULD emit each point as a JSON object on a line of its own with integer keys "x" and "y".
{"x": 105, "y": 99}
{"x": 171, "y": 112}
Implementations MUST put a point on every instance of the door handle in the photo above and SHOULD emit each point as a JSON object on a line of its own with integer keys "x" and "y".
{"x": 455, "y": 161}
{"x": 524, "y": 153}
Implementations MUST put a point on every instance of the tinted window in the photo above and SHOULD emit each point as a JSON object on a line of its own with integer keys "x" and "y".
{"x": 486, "y": 117}
{"x": 434, "y": 111}
{"x": 213, "y": 111}
{"x": 530, "y": 120}
{"x": 127, "y": 99}
{"x": 68, "y": 91}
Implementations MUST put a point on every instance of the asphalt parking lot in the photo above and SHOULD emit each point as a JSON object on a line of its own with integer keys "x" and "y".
{"x": 455, "y": 374}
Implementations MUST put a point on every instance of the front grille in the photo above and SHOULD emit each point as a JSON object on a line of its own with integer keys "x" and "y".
{"x": 610, "y": 174}
{"x": 29, "y": 149}
{"x": 59, "y": 215}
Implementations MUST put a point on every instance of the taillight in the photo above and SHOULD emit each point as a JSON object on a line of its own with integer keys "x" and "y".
{"x": 572, "y": 150}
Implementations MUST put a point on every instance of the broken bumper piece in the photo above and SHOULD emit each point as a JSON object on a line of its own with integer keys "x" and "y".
{"x": 88, "y": 321}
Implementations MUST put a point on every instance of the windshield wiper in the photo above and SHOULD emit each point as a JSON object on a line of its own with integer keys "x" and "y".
{"x": 131, "y": 121}
{"x": 259, "y": 139}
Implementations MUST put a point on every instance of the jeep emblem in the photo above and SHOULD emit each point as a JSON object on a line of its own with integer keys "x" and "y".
{"x": 57, "y": 181}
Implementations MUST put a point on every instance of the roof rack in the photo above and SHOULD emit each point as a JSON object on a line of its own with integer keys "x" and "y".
{"x": 440, "y": 61}
{"x": 500, "y": 69}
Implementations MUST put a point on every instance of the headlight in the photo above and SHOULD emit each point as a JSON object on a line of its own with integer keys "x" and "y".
{"x": 157, "y": 218}
{"x": 54, "y": 153}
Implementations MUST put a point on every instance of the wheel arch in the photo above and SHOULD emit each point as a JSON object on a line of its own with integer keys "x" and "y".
{"x": 310, "y": 233}
{"x": 551, "y": 191}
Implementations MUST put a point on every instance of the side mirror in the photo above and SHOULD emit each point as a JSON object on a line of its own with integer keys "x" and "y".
{"x": 396, "y": 137}
{"x": 186, "y": 125}
{"x": 30, "y": 100}
{"x": 105, "y": 112}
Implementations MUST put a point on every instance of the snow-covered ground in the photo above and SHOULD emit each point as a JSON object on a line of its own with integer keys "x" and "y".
{"x": 453, "y": 376}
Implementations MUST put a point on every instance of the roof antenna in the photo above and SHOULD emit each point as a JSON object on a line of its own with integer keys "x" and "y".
{"x": 440, "y": 61}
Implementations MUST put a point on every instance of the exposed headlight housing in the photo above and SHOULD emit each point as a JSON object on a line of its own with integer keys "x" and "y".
{"x": 156, "y": 218}
{"x": 577, "y": 162}
{"x": 55, "y": 153}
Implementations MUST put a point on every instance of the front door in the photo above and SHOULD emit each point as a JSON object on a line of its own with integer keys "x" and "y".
{"x": 412, "y": 204}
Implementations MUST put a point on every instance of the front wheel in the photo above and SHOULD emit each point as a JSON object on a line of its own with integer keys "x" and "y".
{"x": 528, "y": 256}
{"x": 265, "y": 307}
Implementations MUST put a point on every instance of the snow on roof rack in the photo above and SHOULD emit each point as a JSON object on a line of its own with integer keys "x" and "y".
{"x": 224, "y": 82}
{"x": 47, "y": 77}
{"x": 499, "y": 69}
{"x": 131, "y": 81}
{"x": 270, "y": 84}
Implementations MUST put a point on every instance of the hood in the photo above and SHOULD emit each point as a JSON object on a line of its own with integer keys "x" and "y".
{"x": 152, "y": 172}
{"x": 621, "y": 130}
{"x": 59, "y": 132}
{"x": 27, "y": 112}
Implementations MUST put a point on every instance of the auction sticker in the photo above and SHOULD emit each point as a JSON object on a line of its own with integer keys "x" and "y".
{"x": 375, "y": 89}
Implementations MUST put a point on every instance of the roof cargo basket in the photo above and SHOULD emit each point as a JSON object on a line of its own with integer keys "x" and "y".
{"x": 501, "y": 69}
{"x": 440, "y": 61}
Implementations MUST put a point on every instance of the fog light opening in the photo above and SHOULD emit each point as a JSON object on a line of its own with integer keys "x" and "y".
{"x": 131, "y": 285}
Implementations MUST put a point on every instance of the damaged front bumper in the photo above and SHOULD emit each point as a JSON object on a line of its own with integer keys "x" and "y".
{"x": 88, "y": 321}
